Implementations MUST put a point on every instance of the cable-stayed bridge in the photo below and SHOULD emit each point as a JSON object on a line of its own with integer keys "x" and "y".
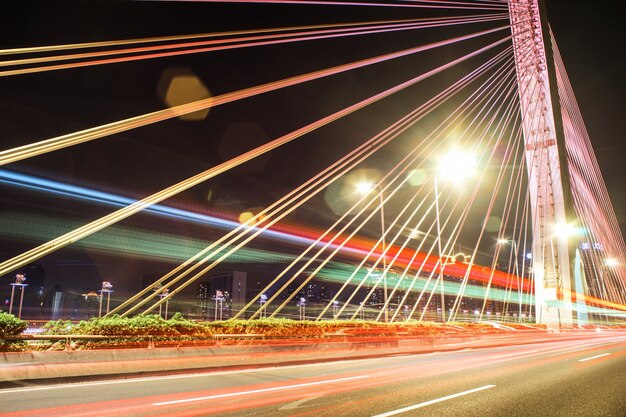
{"x": 486, "y": 151}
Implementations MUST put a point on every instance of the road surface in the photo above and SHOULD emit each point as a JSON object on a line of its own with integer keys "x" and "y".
{"x": 584, "y": 377}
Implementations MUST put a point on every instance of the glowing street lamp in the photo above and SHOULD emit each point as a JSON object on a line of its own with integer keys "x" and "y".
{"x": 262, "y": 301}
{"x": 564, "y": 230}
{"x": 164, "y": 294}
{"x": 365, "y": 188}
{"x": 503, "y": 241}
{"x": 608, "y": 263}
{"x": 219, "y": 300}
{"x": 455, "y": 167}
{"x": 19, "y": 282}
{"x": 302, "y": 308}
{"x": 106, "y": 288}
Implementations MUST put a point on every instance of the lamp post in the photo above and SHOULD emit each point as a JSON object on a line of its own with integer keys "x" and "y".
{"x": 164, "y": 294}
{"x": 456, "y": 166}
{"x": 503, "y": 241}
{"x": 302, "y": 308}
{"x": 440, "y": 254}
{"x": 262, "y": 301}
{"x": 219, "y": 298}
{"x": 19, "y": 282}
{"x": 106, "y": 288}
{"x": 366, "y": 188}
{"x": 335, "y": 307}
{"x": 608, "y": 263}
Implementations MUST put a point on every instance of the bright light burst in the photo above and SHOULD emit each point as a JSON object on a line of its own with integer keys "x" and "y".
{"x": 456, "y": 165}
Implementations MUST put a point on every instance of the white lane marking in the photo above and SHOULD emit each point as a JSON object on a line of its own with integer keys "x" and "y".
{"x": 438, "y": 400}
{"x": 561, "y": 349}
{"x": 258, "y": 391}
{"x": 594, "y": 357}
{"x": 297, "y": 404}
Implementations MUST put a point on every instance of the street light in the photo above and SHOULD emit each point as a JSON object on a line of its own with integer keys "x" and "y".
{"x": 365, "y": 188}
{"x": 262, "y": 301}
{"x": 106, "y": 288}
{"x": 564, "y": 230}
{"x": 19, "y": 282}
{"x": 219, "y": 298}
{"x": 609, "y": 263}
{"x": 164, "y": 294}
{"x": 335, "y": 307}
{"x": 302, "y": 308}
{"x": 455, "y": 166}
{"x": 503, "y": 241}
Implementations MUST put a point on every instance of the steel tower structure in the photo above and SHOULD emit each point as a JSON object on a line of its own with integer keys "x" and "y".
{"x": 553, "y": 254}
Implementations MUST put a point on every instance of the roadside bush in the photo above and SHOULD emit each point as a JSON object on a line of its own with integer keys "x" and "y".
{"x": 58, "y": 327}
{"x": 179, "y": 328}
{"x": 141, "y": 325}
{"x": 11, "y": 325}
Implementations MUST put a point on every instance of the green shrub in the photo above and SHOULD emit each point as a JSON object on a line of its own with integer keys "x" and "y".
{"x": 11, "y": 325}
{"x": 58, "y": 327}
{"x": 178, "y": 326}
{"x": 141, "y": 325}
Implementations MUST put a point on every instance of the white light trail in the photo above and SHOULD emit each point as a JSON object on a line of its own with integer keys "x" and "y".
{"x": 259, "y": 391}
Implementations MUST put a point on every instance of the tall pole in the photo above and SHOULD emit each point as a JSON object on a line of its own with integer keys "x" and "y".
{"x": 19, "y": 311}
{"x": 12, "y": 296}
{"x": 602, "y": 289}
{"x": 382, "y": 228}
{"x": 519, "y": 286}
{"x": 443, "y": 299}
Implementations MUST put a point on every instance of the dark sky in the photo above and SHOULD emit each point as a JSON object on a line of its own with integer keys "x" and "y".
{"x": 591, "y": 40}
{"x": 143, "y": 161}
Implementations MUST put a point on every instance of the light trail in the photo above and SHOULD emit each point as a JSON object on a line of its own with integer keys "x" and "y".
{"x": 193, "y": 375}
{"x": 138, "y": 206}
{"x": 58, "y": 188}
{"x": 338, "y": 233}
{"x": 372, "y": 373}
{"x": 261, "y": 391}
{"x": 130, "y": 242}
{"x": 54, "y": 187}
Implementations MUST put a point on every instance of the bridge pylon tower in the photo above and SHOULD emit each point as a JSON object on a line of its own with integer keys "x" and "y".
{"x": 553, "y": 255}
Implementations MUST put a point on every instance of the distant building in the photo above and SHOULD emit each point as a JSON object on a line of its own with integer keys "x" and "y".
{"x": 231, "y": 284}
{"x": 57, "y": 307}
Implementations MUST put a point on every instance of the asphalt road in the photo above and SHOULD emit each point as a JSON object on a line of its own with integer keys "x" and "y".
{"x": 584, "y": 377}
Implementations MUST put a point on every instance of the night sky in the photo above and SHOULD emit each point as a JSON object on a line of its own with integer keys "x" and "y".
{"x": 145, "y": 160}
